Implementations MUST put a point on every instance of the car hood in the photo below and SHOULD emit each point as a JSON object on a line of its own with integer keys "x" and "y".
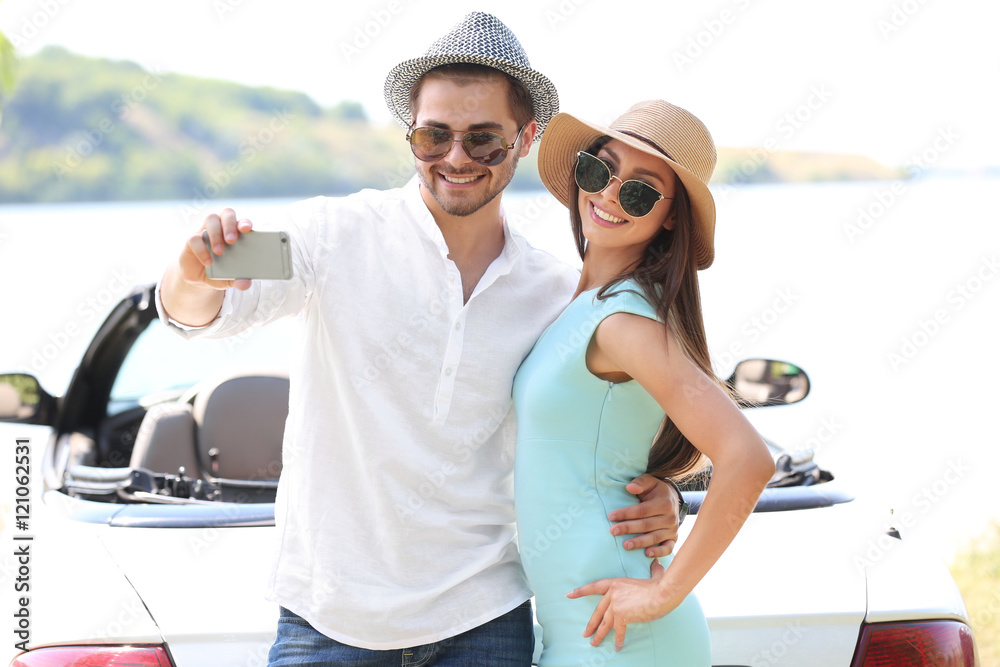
{"x": 204, "y": 588}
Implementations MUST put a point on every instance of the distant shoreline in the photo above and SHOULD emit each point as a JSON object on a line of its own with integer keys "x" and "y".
{"x": 522, "y": 188}
{"x": 71, "y": 135}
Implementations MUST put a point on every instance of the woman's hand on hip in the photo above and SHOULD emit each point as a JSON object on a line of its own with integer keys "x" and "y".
{"x": 625, "y": 601}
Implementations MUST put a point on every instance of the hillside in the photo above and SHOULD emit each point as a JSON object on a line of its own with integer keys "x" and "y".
{"x": 78, "y": 129}
{"x": 755, "y": 165}
{"x": 84, "y": 129}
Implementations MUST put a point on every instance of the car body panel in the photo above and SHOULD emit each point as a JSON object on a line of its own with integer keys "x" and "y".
{"x": 78, "y": 594}
{"x": 217, "y": 607}
{"x": 904, "y": 584}
{"x": 793, "y": 640}
{"x": 783, "y": 590}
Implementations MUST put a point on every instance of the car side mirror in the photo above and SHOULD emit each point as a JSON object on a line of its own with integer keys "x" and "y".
{"x": 761, "y": 382}
{"x": 22, "y": 399}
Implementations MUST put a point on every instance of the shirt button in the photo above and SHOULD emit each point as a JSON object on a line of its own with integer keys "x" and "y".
{"x": 447, "y": 372}
{"x": 458, "y": 326}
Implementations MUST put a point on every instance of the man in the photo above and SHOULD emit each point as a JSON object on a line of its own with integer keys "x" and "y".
{"x": 395, "y": 516}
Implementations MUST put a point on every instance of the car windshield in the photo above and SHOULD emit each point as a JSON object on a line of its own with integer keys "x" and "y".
{"x": 161, "y": 365}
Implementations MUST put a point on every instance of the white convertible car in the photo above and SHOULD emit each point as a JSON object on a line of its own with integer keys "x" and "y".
{"x": 140, "y": 523}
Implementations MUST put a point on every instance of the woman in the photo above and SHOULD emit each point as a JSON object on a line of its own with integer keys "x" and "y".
{"x": 620, "y": 384}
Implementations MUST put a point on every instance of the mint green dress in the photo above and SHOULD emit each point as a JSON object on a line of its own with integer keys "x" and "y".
{"x": 580, "y": 441}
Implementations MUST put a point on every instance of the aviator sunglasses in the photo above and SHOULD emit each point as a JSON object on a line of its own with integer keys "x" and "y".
{"x": 430, "y": 144}
{"x": 636, "y": 198}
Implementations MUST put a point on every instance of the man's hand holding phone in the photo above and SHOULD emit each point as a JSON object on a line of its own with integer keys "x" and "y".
{"x": 216, "y": 234}
{"x": 232, "y": 254}
{"x": 254, "y": 255}
{"x": 192, "y": 290}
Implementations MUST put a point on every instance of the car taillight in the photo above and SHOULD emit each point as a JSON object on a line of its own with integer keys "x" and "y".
{"x": 916, "y": 644}
{"x": 94, "y": 656}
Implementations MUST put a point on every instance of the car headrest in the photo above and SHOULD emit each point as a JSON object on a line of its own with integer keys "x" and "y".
{"x": 165, "y": 441}
{"x": 240, "y": 425}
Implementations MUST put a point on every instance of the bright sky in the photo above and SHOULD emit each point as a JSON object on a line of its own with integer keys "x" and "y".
{"x": 885, "y": 78}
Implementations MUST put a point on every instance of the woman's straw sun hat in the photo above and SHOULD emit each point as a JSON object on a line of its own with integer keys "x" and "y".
{"x": 655, "y": 127}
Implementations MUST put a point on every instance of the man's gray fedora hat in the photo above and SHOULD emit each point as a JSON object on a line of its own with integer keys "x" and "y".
{"x": 480, "y": 39}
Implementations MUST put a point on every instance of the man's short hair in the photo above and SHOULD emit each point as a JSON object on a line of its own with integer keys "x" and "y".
{"x": 463, "y": 74}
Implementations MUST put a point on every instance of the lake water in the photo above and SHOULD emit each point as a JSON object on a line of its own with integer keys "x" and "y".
{"x": 886, "y": 294}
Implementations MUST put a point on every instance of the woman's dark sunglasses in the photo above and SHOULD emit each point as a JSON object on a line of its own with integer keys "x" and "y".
{"x": 636, "y": 198}
{"x": 430, "y": 144}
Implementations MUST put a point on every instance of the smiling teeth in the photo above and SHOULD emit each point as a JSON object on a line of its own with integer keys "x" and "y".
{"x": 459, "y": 181}
{"x": 607, "y": 216}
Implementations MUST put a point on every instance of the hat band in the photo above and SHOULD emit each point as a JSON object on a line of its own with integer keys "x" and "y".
{"x": 647, "y": 141}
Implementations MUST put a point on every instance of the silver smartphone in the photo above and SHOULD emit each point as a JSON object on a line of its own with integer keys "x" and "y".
{"x": 255, "y": 255}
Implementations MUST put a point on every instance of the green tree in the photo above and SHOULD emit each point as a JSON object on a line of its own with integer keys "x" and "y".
{"x": 93, "y": 129}
{"x": 7, "y": 62}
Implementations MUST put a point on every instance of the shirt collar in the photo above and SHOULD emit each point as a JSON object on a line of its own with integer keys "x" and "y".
{"x": 422, "y": 215}
{"x": 512, "y": 245}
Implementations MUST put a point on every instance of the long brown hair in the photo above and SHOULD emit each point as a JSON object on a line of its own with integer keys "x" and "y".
{"x": 668, "y": 276}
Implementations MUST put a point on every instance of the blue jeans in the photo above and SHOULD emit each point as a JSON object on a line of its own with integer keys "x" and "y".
{"x": 507, "y": 641}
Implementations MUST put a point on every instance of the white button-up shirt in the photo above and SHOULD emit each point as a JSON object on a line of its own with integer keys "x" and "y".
{"x": 395, "y": 508}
